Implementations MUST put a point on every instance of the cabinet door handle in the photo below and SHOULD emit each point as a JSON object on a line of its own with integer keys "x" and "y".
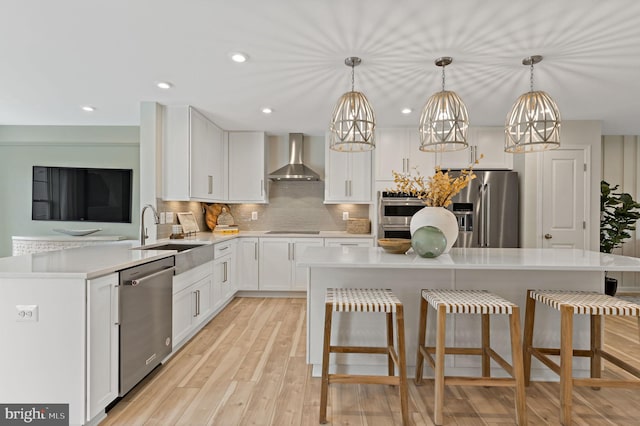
{"x": 346, "y": 188}
{"x": 255, "y": 251}
{"x": 195, "y": 311}
{"x": 115, "y": 304}
{"x": 210, "y": 178}
{"x": 224, "y": 248}
{"x": 408, "y": 166}
{"x": 224, "y": 280}
{"x": 350, "y": 188}
{"x": 288, "y": 251}
{"x": 349, "y": 244}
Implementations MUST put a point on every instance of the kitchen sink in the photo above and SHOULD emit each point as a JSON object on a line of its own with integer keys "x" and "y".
{"x": 171, "y": 246}
{"x": 189, "y": 255}
{"x": 293, "y": 232}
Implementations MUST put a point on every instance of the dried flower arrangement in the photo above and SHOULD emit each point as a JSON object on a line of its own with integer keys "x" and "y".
{"x": 436, "y": 190}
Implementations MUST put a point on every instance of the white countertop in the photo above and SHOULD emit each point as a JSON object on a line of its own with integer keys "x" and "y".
{"x": 470, "y": 258}
{"x": 97, "y": 260}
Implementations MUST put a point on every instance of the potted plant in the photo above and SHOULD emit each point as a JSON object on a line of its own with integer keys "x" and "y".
{"x": 618, "y": 216}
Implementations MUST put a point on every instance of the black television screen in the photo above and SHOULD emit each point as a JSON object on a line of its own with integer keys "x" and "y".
{"x": 81, "y": 194}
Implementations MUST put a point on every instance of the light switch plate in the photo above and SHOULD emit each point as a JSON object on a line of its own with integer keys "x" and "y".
{"x": 345, "y": 215}
{"x": 254, "y": 215}
{"x": 27, "y": 313}
{"x": 163, "y": 218}
{"x": 169, "y": 217}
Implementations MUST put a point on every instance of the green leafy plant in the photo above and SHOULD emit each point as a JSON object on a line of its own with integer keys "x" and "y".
{"x": 618, "y": 215}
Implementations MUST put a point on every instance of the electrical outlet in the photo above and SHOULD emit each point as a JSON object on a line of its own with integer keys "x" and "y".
{"x": 169, "y": 217}
{"x": 254, "y": 215}
{"x": 163, "y": 218}
{"x": 27, "y": 313}
{"x": 345, "y": 215}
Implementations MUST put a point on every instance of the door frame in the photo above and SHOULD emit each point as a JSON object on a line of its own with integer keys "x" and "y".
{"x": 586, "y": 150}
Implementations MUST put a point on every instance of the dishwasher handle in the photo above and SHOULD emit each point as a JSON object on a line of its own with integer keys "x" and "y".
{"x": 141, "y": 280}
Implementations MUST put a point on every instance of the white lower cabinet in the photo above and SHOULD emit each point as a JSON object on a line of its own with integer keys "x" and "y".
{"x": 277, "y": 267}
{"x": 247, "y": 264}
{"x": 102, "y": 386}
{"x": 348, "y": 242}
{"x": 192, "y": 301}
{"x": 223, "y": 273}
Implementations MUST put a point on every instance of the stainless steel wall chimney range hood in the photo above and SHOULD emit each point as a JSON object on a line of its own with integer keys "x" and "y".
{"x": 295, "y": 170}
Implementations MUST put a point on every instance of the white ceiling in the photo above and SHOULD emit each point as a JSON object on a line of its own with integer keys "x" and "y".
{"x": 59, "y": 55}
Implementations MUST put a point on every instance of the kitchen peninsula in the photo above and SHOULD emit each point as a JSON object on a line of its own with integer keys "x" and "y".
{"x": 507, "y": 272}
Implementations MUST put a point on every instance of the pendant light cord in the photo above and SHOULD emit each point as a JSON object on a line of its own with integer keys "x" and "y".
{"x": 531, "y": 77}
{"x": 353, "y": 79}
{"x": 443, "y": 67}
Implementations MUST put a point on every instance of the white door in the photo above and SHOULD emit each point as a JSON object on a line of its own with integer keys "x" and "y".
{"x": 275, "y": 264}
{"x": 564, "y": 198}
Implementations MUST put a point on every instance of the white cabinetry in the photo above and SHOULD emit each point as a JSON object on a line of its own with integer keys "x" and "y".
{"x": 247, "y": 264}
{"x": 278, "y": 269}
{"x": 247, "y": 167}
{"x": 486, "y": 141}
{"x": 192, "y": 301}
{"x": 398, "y": 149}
{"x": 347, "y": 176}
{"x": 348, "y": 242}
{"x": 102, "y": 386}
{"x": 194, "y": 166}
{"x": 223, "y": 273}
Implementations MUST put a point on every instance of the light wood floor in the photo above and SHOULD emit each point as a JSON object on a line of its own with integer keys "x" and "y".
{"x": 247, "y": 367}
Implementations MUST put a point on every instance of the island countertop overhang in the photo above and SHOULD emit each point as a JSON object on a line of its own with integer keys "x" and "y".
{"x": 470, "y": 259}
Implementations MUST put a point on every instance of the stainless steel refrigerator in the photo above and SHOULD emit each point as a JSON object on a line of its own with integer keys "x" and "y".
{"x": 487, "y": 210}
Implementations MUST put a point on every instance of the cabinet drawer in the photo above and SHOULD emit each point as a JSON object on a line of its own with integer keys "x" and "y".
{"x": 184, "y": 280}
{"x": 222, "y": 249}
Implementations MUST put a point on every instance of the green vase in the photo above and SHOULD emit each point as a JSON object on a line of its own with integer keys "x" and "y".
{"x": 428, "y": 241}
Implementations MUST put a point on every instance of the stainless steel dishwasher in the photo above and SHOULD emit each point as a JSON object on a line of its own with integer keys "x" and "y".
{"x": 145, "y": 319}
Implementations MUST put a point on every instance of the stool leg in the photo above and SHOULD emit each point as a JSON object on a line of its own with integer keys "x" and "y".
{"x": 596, "y": 345}
{"x": 390, "y": 363}
{"x": 566, "y": 361}
{"x": 404, "y": 402}
{"x": 328, "y": 312}
{"x": 486, "y": 343}
{"x": 529, "y": 319}
{"x": 638, "y": 329}
{"x": 439, "y": 373}
{"x": 518, "y": 370}
{"x": 422, "y": 327}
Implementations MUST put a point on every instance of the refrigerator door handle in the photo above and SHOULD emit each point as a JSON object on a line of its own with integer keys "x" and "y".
{"x": 487, "y": 214}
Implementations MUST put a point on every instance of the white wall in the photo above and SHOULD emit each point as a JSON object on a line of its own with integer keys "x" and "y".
{"x": 584, "y": 133}
{"x": 22, "y": 147}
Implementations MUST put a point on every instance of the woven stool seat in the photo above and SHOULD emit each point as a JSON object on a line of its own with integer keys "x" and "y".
{"x": 584, "y": 302}
{"x": 362, "y": 300}
{"x": 468, "y": 301}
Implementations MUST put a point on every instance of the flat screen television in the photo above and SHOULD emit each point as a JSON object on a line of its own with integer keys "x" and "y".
{"x": 81, "y": 194}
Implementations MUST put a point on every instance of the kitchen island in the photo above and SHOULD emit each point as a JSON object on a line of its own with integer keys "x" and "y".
{"x": 506, "y": 272}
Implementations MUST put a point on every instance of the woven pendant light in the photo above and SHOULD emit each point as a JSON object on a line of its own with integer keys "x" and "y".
{"x": 353, "y": 121}
{"x": 533, "y": 124}
{"x": 444, "y": 121}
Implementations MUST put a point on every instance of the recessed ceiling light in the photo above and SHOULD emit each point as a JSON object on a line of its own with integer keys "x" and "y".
{"x": 239, "y": 57}
{"x": 406, "y": 110}
{"x": 267, "y": 110}
{"x": 164, "y": 85}
{"x": 88, "y": 108}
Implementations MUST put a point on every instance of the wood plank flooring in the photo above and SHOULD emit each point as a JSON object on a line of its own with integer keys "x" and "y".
{"x": 247, "y": 367}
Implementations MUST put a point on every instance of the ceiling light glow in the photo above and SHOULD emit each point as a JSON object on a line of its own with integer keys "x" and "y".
{"x": 267, "y": 110}
{"x": 88, "y": 108}
{"x": 239, "y": 57}
{"x": 164, "y": 85}
{"x": 406, "y": 110}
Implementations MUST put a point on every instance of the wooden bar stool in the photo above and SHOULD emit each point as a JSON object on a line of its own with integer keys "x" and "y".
{"x": 470, "y": 302}
{"x": 365, "y": 300}
{"x": 570, "y": 303}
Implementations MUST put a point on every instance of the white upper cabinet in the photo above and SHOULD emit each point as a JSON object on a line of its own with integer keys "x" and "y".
{"x": 347, "y": 176}
{"x": 397, "y": 149}
{"x": 486, "y": 141}
{"x": 247, "y": 167}
{"x": 193, "y": 157}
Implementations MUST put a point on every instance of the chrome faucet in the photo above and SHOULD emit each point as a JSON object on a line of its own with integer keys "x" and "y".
{"x": 143, "y": 231}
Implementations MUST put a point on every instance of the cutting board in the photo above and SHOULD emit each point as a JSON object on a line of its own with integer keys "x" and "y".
{"x": 188, "y": 222}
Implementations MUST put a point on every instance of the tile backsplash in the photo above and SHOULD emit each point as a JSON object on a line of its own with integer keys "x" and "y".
{"x": 292, "y": 206}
